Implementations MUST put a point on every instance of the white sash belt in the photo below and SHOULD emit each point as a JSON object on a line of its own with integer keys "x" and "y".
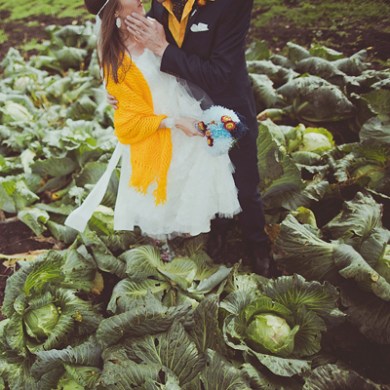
{"x": 79, "y": 217}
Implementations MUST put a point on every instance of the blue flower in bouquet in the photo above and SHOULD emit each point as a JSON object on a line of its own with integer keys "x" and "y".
{"x": 222, "y": 128}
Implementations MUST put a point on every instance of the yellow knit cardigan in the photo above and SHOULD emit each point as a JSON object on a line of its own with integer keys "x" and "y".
{"x": 137, "y": 125}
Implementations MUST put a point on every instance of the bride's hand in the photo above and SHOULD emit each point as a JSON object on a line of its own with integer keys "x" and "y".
{"x": 112, "y": 101}
{"x": 188, "y": 126}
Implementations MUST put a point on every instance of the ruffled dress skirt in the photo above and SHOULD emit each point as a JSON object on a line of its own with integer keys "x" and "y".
{"x": 200, "y": 185}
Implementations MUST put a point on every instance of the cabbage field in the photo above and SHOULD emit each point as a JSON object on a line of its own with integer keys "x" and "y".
{"x": 101, "y": 310}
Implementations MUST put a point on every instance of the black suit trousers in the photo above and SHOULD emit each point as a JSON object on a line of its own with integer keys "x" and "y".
{"x": 246, "y": 177}
{"x": 214, "y": 60}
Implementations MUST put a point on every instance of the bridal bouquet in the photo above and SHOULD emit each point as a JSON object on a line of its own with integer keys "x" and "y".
{"x": 222, "y": 128}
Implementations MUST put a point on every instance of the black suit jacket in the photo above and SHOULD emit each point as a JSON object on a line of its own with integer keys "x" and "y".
{"x": 213, "y": 59}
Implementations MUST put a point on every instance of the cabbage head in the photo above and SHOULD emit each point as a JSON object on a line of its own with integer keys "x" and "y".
{"x": 41, "y": 321}
{"x": 42, "y": 313}
{"x": 317, "y": 140}
{"x": 272, "y": 333}
{"x": 280, "y": 322}
{"x": 355, "y": 257}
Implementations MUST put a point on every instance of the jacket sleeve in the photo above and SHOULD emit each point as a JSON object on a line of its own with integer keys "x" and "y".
{"x": 134, "y": 120}
{"x": 151, "y": 12}
{"x": 229, "y": 42}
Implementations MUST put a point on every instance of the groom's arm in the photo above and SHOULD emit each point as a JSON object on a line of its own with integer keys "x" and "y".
{"x": 151, "y": 12}
{"x": 229, "y": 41}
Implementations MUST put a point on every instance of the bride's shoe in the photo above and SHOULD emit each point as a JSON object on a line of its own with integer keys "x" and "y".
{"x": 166, "y": 252}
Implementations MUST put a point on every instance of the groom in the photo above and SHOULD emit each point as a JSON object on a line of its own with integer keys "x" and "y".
{"x": 202, "y": 41}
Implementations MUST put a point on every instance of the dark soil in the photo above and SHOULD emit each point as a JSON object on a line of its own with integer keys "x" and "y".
{"x": 276, "y": 35}
{"x": 16, "y": 237}
{"x": 19, "y": 32}
{"x": 346, "y": 39}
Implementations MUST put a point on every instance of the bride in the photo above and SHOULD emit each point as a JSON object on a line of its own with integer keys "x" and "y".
{"x": 169, "y": 184}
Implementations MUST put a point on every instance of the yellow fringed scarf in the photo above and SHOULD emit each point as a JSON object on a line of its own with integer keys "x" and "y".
{"x": 137, "y": 125}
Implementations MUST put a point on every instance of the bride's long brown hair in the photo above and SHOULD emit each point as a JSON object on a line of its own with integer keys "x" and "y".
{"x": 111, "y": 47}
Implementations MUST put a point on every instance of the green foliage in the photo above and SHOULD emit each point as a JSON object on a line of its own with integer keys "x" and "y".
{"x": 107, "y": 312}
{"x": 305, "y": 12}
{"x": 61, "y": 8}
{"x": 279, "y": 323}
{"x": 332, "y": 375}
{"x": 357, "y": 252}
{"x": 3, "y": 36}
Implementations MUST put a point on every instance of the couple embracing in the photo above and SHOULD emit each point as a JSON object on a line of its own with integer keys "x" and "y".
{"x": 170, "y": 183}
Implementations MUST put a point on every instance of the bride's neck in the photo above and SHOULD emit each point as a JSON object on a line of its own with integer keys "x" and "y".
{"x": 131, "y": 44}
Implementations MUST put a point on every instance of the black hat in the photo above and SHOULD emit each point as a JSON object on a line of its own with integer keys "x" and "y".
{"x": 94, "y": 6}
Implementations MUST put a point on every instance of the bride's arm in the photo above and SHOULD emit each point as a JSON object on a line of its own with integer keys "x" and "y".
{"x": 134, "y": 120}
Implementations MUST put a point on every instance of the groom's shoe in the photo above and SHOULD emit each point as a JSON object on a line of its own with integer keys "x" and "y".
{"x": 259, "y": 258}
{"x": 216, "y": 245}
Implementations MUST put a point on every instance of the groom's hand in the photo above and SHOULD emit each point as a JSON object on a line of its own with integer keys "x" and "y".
{"x": 148, "y": 32}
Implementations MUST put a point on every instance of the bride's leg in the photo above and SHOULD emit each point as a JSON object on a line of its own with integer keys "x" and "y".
{"x": 162, "y": 244}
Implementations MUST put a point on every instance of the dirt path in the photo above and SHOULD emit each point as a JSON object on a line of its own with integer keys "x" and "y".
{"x": 19, "y": 32}
{"x": 276, "y": 35}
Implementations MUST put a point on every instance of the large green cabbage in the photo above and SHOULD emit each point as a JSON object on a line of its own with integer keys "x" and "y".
{"x": 357, "y": 253}
{"x": 280, "y": 322}
{"x": 272, "y": 333}
{"x": 40, "y": 322}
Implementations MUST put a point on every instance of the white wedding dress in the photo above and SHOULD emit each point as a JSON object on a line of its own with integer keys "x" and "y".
{"x": 200, "y": 185}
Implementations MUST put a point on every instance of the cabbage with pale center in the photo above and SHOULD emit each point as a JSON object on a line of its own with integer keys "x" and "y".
{"x": 315, "y": 141}
{"x": 40, "y": 322}
{"x": 272, "y": 333}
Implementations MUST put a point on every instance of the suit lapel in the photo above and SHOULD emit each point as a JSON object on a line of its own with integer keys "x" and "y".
{"x": 161, "y": 15}
{"x": 192, "y": 18}
{"x": 159, "y": 11}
